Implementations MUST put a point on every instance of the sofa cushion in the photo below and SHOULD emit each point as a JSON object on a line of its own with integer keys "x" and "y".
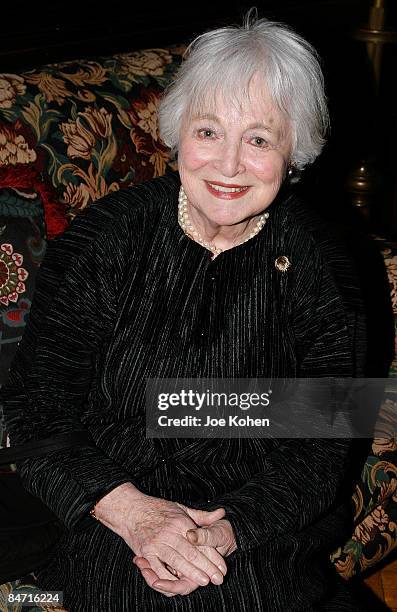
{"x": 78, "y": 130}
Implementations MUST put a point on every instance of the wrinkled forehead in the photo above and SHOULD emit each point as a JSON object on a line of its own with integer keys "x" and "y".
{"x": 251, "y": 99}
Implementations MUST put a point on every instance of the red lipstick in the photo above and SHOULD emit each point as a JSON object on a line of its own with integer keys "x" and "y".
{"x": 226, "y": 195}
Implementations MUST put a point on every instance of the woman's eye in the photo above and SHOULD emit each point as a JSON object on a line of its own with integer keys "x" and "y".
{"x": 206, "y": 133}
{"x": 258, "y": 141}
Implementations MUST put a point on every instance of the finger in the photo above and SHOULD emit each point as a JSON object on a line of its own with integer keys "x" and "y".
{"x": 141, "y": 562}
{"x": 192, "y": 564}
{"x": 178, "y": 587}
{"x": 215, "y": 557}
{"x": 173, "y": 571}
{"x": 207, "y": 536}
{"x": 150, "y": 575}
{"x": 151, "y": 579}
{"x": 161, "y": 571}
{"x": 203, "y": 517}
{"x": 163, "y": 585}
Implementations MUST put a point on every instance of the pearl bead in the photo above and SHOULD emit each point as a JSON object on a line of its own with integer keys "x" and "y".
{"x": 188, "y": 228}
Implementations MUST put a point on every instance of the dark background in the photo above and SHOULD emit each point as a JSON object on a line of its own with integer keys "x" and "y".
{"x": 364, "y": 121}
{"x": 39, "y": 31}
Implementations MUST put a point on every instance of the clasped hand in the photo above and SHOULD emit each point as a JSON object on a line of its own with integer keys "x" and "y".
{"x": 178, "y": 548}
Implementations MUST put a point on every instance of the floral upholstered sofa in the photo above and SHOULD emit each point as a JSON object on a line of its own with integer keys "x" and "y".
{"x": 69, "y": 134}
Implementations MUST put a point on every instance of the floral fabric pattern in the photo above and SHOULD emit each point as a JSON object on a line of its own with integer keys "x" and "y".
{"x": 375, "y": 495}
{"x": 86, "y": 128}
{"x": 12, "y": 275}
{"x": 14, "y": 148}
{"x": 152, "y": 62}
{"x": 11, "y": 86}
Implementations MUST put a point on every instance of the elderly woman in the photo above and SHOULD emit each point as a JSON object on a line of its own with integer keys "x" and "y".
{"x": 238, "y": 280}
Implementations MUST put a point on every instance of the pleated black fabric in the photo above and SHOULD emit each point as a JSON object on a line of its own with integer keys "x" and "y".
{"x": 124, "y": 296}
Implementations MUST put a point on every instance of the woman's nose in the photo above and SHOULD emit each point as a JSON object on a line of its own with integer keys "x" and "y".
{"x": 229, "y": 163}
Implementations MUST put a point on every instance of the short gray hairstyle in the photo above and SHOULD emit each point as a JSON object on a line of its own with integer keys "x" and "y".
{"x": 226, "y": 59}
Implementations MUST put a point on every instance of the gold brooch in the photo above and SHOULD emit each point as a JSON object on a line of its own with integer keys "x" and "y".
{"x": 282, "y": 263}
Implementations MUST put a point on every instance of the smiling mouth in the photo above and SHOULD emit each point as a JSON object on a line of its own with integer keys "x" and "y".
{"x": 226, "y": 191}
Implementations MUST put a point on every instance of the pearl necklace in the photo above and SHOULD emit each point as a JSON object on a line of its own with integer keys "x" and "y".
{"x": 189, "y": 229}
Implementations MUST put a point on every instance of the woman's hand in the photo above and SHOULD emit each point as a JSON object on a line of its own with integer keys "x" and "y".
{"x": 155, "y": 529}
{"x": 216, "y": 537}
{"x": 219, "y": 535}
{"x": 175, "y": 585}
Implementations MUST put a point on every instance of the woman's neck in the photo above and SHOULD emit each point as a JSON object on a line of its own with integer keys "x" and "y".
{"x": 223, "y": 237}
{"x": 212, "y": 236}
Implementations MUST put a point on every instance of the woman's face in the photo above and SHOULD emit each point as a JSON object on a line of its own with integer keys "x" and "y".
{"x": 232, "y": 161}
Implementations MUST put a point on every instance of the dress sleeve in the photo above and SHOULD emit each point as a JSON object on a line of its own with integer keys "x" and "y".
{"x": 302, "y": 478}
{"x": 51, "y": 376}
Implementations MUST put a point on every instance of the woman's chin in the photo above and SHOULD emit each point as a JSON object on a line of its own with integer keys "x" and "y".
{"x": 227, "y": 222}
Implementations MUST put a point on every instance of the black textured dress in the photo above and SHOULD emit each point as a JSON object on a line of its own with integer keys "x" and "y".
{"x": 124, "y": 295}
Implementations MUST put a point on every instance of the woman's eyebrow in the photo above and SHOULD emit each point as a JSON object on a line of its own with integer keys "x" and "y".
{"x": 209, "y": 116}
{"x": 260, "y": 126}
{"x": 252, "y": 126}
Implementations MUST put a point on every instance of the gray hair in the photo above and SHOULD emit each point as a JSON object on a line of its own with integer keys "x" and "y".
{"x": 219, "y": 59}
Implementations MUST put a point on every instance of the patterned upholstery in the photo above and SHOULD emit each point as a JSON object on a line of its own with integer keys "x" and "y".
{"x": 71, "y": 133}
{"x": 375, "y": 495}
